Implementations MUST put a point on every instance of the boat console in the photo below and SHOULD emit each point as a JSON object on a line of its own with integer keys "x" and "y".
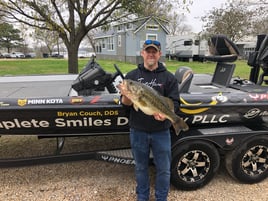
{"x": 93, "y": 79}
{"x": 224, "y": 52}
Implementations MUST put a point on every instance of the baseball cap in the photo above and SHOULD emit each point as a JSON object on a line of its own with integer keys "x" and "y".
{"x": 152, "y": 43}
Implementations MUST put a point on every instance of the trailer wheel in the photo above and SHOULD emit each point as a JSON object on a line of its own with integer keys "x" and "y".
{"x": 194, "y": 164}
{"x": 248, "y": 163}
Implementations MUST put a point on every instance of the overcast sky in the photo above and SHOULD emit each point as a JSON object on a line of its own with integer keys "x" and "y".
{"x": 198, "y": 9}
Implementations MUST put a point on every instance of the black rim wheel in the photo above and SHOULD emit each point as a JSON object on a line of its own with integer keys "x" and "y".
{"x": 248, "y": 163}
{"x": 194, "y": 164}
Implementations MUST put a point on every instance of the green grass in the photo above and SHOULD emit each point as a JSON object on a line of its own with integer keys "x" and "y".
{"x": 242, "y": 69}
{"x": 60, "y": 66}
{"x": 32, "y": 66}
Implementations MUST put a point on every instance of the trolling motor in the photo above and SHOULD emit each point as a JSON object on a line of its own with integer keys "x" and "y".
{"x": 262, "y": 58}
{"x": 94, "y": 79}
{"x": 259, "y": 59}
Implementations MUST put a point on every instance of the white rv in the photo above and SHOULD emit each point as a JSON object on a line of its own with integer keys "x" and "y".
{"x": 186, "y": 47}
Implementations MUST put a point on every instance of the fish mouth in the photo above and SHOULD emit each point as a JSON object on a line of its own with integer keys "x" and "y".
{"x": 119, "y": 85}
{"x": 122, "y": 85}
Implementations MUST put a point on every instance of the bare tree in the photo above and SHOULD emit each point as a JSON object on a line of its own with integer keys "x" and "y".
{"x": 234, "y": 21}
{"x": 238, "y": 19}
{"x": 260, "y": 15}
{"x": 49, "y": 38}
{"x": 260, "y": 26}
{"x": 163, "y": 8}
{"x": 177, "y": 24}
{"x": 71, "y": 19}
{"x": 90, "y": 38}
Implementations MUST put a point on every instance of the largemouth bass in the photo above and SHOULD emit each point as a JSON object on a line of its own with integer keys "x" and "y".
{"x": 151, "y": 102}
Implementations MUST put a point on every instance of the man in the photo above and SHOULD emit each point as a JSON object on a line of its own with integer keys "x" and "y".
{"x": 151, "y": 132}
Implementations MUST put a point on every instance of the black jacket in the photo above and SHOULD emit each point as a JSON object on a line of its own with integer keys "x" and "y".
{"x": 165, "y": 83}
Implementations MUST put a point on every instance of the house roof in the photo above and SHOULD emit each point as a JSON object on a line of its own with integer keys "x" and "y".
{"x": 106, "y": 34}
{"x": 131, "y": 21}
{"x": 148, "y": 20}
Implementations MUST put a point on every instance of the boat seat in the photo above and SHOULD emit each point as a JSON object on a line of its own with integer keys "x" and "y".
{"x": 222, "y": 49}
{"x": 184, "y": 76}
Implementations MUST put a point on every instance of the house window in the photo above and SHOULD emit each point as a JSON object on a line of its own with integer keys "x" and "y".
{"x": 153, "y": 27}
{"x": 151, "y": 37}
{"x": 148, "y": 37}
{"x": 119, "y": 41}
{"x": 110, "y": 43}
{"x": 98, "y": 47}
{"x": 197, "y": 42}
{"x": 103, "y": 43}
{"x": 188, "y": 43}
{"x": 120, "y": 28}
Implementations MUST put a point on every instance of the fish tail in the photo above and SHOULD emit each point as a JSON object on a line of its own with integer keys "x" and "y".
{"x": 179, "y": 125}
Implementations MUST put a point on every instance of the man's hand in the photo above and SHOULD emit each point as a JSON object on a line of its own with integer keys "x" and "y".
{"x": 159, "y": 117}
{"x": 123, "y": 91}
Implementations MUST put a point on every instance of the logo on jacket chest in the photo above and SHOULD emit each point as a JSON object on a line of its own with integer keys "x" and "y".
{"x": 153, "y": 83}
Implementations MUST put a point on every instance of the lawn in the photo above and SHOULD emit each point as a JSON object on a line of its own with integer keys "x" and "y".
{"x": 59, "y": 66}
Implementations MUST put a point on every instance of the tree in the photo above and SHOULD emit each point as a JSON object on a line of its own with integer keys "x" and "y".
{"x": 49, "y": 38}
{"x": 9, "y": 37}
{"x": 233, "y": 21}
{"x": 260, "y": 26}
{"x": 163, "y": 8}
{"x": 169, "y": 10}
{"x": 176, "y": 24}
{"x": 238, "y": 19}
{"x": 71, "y": 19}
{"x": 260, "y": 16}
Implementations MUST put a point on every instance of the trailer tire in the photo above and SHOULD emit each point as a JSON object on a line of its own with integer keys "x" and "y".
{"x": 248, "y": 163}
{"x": 194, "y": 164}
